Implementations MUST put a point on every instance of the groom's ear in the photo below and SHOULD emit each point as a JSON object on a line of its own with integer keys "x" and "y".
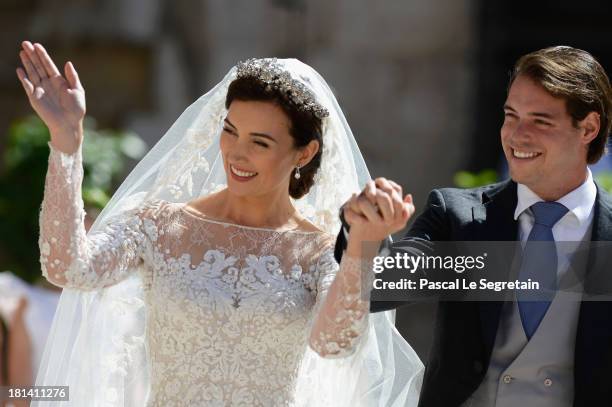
{"x": 308, "y": 152}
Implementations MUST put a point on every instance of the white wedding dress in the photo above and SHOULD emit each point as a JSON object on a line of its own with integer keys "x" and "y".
{"x": 229, "y": 307}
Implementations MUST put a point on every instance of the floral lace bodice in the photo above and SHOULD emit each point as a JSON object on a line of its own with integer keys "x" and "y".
{"x": 230, "y": 309}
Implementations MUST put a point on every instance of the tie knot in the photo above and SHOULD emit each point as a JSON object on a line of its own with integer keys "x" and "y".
{"x": 548, "y": 213}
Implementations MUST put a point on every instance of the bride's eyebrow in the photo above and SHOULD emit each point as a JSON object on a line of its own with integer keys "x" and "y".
{"x": 264, "y": 135}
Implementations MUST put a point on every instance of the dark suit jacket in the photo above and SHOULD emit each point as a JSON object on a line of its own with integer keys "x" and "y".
{"x": 465, "y": 332}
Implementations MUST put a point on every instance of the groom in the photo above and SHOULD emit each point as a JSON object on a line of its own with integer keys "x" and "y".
{"x": 507, "y": 353}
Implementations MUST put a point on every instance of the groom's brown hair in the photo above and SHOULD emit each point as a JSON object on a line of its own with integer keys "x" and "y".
{"x": 575, "y": 76}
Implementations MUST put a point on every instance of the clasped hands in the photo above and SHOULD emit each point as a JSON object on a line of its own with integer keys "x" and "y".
{"x": 377, "y": 212}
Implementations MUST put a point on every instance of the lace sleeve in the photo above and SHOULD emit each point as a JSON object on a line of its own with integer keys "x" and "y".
{"x": 342, "y": 307}
{"x": 68, "y": 257}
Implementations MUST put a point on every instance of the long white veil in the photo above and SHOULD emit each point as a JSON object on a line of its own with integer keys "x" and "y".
{"x": 97, "y": 343}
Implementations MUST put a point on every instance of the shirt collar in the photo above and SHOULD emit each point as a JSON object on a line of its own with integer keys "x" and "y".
{"x": 580, "y": 201}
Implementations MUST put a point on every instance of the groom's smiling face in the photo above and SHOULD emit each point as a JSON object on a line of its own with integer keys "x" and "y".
{"x": 545, "y": 149}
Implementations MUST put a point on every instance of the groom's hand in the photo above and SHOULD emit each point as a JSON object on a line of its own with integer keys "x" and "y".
{"x": 378, "y": 211}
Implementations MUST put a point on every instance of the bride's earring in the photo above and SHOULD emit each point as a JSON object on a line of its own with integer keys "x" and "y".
{"x": 297, "y": 172}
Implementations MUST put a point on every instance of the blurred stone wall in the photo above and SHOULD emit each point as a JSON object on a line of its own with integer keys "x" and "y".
{"x": 402, "y": 72}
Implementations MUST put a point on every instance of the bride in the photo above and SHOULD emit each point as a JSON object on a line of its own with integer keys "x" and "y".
{"x": 209, "y": 278}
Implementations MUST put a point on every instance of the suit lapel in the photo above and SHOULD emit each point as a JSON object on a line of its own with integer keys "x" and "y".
{"x": 594, "y": 332}
{"x": 602, "y": 219}
{"x": 494, "y": 217}
{"x": 493, "y": 220}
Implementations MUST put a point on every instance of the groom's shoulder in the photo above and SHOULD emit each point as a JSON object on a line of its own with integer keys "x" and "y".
{"x": 604, "y": 196}
{"x": 452, "y": 196}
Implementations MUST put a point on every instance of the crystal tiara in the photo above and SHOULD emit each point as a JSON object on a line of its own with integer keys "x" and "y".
{"x": 269, "y": 71}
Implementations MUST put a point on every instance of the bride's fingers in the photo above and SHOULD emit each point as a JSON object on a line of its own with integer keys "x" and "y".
{"x": 385, "y": 187}
{"x": 46, "y": 60}
{"x": 29, "y": 67}
{"x": 409, "y": 207}
{"x": 353, "y": 204}
{"x": 369, "y": 210}
{"x": 353, "y": 218}
{"x": 40, "y": 69}
{"x": 385, "y": 205}
{"x": 27, "y": 85}
{"x": 72, "y": 76}
{"x": 396, "y": 187}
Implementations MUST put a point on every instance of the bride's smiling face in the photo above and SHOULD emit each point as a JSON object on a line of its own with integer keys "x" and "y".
{"x": 257, "y": 148}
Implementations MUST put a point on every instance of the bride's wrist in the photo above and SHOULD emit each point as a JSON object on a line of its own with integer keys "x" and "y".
{"x": 362, "y": 249}
{"x": 67, "y": 140}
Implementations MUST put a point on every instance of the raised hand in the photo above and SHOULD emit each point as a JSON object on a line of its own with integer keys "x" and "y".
{"x": 58, "y": 100}
{"x": 378, "y": 211}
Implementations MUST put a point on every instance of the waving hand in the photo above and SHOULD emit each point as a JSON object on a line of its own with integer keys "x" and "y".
{"x": 58, "y": 100}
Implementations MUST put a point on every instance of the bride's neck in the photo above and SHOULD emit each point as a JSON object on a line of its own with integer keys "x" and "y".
{"x": 271, "y": 211}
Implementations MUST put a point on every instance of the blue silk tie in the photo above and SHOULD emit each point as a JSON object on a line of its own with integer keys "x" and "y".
{"x": 539, "y": 264}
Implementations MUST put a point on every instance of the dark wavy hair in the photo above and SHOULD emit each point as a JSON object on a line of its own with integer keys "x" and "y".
{"x": 577, "y": 77}
{"x": 305, "y": 126}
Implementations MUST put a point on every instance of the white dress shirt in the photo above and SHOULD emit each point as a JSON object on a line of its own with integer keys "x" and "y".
{"x": 574, "y": 226}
